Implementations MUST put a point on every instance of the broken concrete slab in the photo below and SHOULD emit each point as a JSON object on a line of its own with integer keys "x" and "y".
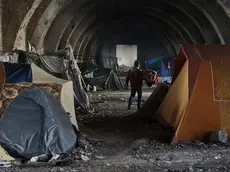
{"x": 220, "y": 136}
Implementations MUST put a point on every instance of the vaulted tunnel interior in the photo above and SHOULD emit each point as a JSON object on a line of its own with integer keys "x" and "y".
{"x": 95, "y": 27}
{"x": 118, "y": 137}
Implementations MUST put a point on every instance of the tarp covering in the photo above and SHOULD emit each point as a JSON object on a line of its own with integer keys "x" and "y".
{"x": 160, "y": 64}
{"x": 58, "y": 66}
{"x": 62, "y": 91}
{"x": 50, "y": 64}
{"x": 16, "y": 73}
{"x": 35, "y": 123}
{"x": 104, "y": 78}
{"x": 28, "y": 57}
{"x": 73, "y": 73}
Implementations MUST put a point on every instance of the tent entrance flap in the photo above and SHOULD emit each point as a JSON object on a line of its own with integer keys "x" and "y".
{"x": 176, "y": 100}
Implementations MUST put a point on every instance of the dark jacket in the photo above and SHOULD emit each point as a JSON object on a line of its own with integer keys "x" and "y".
{"x": 136, "y": 77}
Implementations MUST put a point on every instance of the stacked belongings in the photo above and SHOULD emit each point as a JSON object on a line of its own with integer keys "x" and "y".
{"x": 41, "y": 126}
{"x": 198, "y": 101}
{"x": 102, "y": 78}
{"x": 22, "y": 76}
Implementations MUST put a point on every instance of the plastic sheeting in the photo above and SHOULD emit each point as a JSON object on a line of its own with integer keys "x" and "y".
{"x": 160, "y": 64}
{"x": 101, "y": 77}
{"x": 50, "y": 64}
{"x": 73, "y": 73}
{"x": 58, "y": 67}
{"x": 35, "y": 123}
{"x": 28, "y": 57}
{"x": 16, "y": 73}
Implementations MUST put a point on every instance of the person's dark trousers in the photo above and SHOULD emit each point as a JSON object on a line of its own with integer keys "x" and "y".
{"x": 133, "y": 93}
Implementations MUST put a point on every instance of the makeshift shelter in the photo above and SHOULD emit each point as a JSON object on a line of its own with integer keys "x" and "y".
{"x": 61, "y": 89}
{"x": 161, "y": 65}
{"x": 60, "y": 65}
{"x": 198, "y": 101}
{"x": 51, "y": 64}
{"x": 35, "y": 123}
{"x": 103, "y": 78}
{"x": 73, "y": 73}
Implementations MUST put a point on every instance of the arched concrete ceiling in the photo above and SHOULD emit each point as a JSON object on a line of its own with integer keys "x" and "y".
{"x": 88, "y": 24}
{"x": 116, "y": 29}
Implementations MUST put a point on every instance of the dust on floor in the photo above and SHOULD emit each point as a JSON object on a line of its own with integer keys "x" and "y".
{"x": 115, "y": 141}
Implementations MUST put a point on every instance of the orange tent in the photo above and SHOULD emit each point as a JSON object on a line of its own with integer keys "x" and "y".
{"x": 198, "y": 101}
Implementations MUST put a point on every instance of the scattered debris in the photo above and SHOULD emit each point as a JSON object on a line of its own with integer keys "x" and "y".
{"x": 138, "y": 143}
{"x": 100, "y": 157}
{"x": 5, "y": 164}
{"x": 84, "y": 158}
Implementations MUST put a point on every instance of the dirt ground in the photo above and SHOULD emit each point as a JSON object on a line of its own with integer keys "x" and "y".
{"x": 113, "y": 141}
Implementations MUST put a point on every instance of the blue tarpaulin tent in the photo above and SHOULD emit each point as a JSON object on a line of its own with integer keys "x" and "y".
{"x": 160, "y": 64}
{"x": 35, "y": 123}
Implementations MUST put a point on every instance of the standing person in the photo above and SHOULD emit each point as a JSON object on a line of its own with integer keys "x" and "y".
{"x": 136, "y": 77}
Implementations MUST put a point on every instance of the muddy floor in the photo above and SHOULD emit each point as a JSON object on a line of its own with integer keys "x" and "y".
{"x": 113, "y": 140}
